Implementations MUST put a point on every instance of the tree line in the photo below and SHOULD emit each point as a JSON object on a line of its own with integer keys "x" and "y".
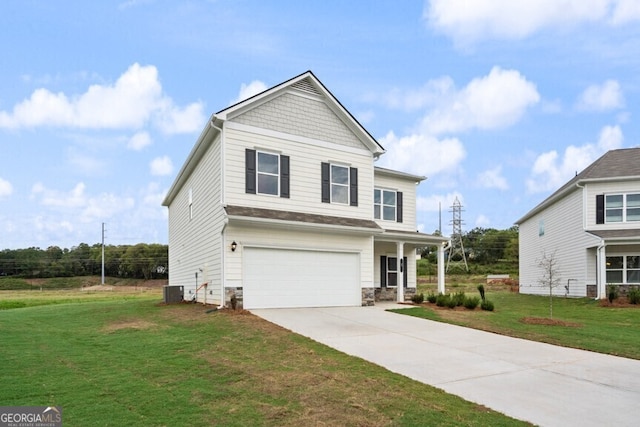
{"x": 141, "y": 261}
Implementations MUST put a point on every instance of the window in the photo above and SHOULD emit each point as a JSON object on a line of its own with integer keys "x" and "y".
{"x": 266, "y": 173}
{"x": 541, "y": 228}
{"x": 622, "y": 207}
{"x": 339, "y": 184}
{"x": 623, "y": 269}
{"x": 384, "y": 204}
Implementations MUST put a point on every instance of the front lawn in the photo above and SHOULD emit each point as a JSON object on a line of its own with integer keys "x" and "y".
{"x": 580, "y": 323}
{"x": 119, "y": 362}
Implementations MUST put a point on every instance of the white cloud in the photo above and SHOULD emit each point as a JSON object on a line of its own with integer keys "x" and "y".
{"x": 438, "y": 202}
{"x": 161, "y": 166}
{"x": 550, "y": 172}
{"x": 249, "y": 90}
{"x": 482, "y": 221}
{"x": 139, "y": 140}
{"x": 490, "y": 102}
{"x": 421, "y": 154}
{"x": 493, "y": 178}
{"x": 135, "y": 100}
{"x": 469, "y": 21}
{"x": 6, "y": 189}
{"x": 412, "y": 99}
{"x": 607, "y": 96}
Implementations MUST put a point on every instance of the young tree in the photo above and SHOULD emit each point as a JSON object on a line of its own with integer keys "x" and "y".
{"x": 550, "y": 277}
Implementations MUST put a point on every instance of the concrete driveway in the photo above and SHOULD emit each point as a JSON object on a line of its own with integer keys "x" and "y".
{"x": 540, "y": 383}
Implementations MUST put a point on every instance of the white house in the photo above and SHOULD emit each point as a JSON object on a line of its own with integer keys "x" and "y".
{"x": 592, "y": 225}
{"x": 279, "y": 203}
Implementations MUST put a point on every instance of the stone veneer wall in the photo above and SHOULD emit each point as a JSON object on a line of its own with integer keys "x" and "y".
{"x": 368, "y": 297}
{"x": 391, "y": 294}
{"x": 231, "y": 291}
{"x": 623, "y": 290}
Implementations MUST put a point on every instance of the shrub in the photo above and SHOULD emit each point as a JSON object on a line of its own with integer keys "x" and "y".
{"x": 481, "y": 290}
{"x": 452, "y": 302}
{"x": 418, "y": 298}
{"x": 442, "y": 300}
{"x": 612, "y": 293}
{"x": 486, "y": 305}
{"x": 431, "y": 297}
{"x": 634, "y": 296}
{"x": 458, "y": 298}
{"x": 471, "y": 302}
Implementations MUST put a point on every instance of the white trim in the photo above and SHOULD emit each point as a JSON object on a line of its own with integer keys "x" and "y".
{"x": 296, "y": 138}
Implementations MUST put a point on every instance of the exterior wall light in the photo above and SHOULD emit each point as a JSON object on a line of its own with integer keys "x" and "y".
{"x": 234, "y": 245}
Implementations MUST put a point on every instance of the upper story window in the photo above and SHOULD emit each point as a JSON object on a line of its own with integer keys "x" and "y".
{"x": 339, "y": 184}
{"x": 622, "y": 207}
{"x": 385, "y": 204}
{"x": 266, "y": 173}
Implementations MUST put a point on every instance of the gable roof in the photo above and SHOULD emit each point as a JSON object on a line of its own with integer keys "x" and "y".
{"x": 614, "y": 165}
{"x": 309, "y": 84}
{"x": 306, "y": 82}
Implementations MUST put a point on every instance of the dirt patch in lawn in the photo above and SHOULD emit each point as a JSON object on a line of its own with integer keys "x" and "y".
{"x": 130, "y": 324}
{"x": 549, "y": 322}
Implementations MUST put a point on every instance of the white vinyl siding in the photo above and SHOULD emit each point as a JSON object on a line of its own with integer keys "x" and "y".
{"x": 305, "y": 159}
{"x": 194, "y": 244}
{"x": 564, "y": 236}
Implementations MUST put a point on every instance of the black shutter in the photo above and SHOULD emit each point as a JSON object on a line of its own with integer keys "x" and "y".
{"x": 383, "y": 271}
{"x": 250, "y": 171}
{"x": 326, "y": 183}
{"x": 600, "y": 209}
{"x": 404, "y": 272}
{"x": 399, "y": 206}
{"x": 284, "y": 176}
{"x": 353, "y": 186}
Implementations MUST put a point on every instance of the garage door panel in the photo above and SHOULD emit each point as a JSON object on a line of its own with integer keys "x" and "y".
{"x": 299, "y": 278}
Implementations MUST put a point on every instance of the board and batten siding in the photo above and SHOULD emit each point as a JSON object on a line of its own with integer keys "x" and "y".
{"x": 253, "y": 236}
{"x": 615, "y": 187}
{"x": 305, "y": 159}
{"x": 195, "y": 243}
{"x": 563, "y": 234}
{"x": 408, "y": 189}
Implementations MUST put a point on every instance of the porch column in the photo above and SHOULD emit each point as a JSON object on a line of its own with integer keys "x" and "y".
{"x": 441, "y": 289}
{"x": 601, "y": 279}
{"x": 401, "y": 271}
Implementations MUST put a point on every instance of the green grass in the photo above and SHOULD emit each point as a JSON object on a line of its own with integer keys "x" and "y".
{"x": 581, "y": 323}
{"x": 134, "y": 362}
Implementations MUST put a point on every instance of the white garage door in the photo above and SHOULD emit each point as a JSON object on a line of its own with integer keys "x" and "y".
{"x": 279, "y": 278}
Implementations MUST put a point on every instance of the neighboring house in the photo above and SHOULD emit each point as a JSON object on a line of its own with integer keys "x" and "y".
{"x": 279, "y": 203}
{"x": 592, "y": 225}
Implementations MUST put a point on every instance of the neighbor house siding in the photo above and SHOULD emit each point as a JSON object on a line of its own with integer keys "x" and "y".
{"x": 194, "y": 243}
{"x": 563, "y": 236}
{"x": 408, "y": 189}
{"x": 616, "y": 187}
{"x": 305, "y": 160}
{"x": 283, "y": 238}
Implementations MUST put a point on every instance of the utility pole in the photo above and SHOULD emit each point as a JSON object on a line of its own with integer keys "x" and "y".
{"x": 102, "y": 282}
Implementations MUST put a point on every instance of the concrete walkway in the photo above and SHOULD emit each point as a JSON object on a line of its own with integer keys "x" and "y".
{"x": 540, "y": 383}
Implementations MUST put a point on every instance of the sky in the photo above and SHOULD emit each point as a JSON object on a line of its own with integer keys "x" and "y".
{"x": 497, "y": 102}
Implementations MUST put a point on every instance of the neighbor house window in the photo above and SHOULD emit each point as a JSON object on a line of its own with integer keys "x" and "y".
{"x": 622, "y": 207}
{"x": 623, "y": 269}
{"x": 384, "y": 204}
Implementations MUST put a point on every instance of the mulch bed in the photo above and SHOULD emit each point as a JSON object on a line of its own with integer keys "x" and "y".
{"x": 549, "y": 322}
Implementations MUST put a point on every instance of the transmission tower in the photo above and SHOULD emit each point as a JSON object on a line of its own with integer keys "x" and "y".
{"x": 457, "y": 257}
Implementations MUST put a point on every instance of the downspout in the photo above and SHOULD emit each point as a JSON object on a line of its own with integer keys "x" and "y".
{"x": 222, "y": 204}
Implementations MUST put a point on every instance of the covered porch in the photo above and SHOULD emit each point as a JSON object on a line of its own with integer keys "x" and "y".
{"x": 617, "y": 262}
{"x": 395, "y": 258}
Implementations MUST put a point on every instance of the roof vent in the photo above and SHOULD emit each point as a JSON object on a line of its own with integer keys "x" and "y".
{"x": 305, "y": 85}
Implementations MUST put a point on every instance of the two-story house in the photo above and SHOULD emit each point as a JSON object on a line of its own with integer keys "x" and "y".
{"x": 280, "y": 205}
{"x": 591, "y": 228}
